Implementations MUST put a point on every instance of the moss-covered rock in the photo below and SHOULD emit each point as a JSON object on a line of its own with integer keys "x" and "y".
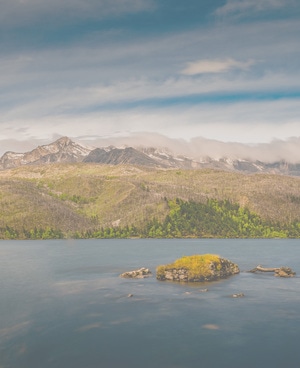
{"x": 197, "y": 268}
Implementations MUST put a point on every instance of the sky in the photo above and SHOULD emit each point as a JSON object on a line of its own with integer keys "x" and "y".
{"x": 193, "y": 71}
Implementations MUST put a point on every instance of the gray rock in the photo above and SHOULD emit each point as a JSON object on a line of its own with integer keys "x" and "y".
{"x": 141, "y": 273}
{"x": 278, "y": 271}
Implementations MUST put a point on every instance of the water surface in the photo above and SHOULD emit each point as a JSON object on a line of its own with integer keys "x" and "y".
{"x": 64, "y": 305}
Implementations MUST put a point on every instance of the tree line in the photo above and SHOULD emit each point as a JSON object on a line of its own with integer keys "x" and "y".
{"x": 185, "y": 219}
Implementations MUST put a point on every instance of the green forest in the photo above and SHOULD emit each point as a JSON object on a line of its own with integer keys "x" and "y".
{"x": 185, "y": 219}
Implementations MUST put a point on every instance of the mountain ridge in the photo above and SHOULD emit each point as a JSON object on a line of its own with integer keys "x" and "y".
{"x": 64, "y": 150}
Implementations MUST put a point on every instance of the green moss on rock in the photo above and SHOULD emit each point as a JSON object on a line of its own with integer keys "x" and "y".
{"x": 197, "y": 268}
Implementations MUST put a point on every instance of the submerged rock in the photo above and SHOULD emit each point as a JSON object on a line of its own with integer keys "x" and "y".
{"x": 238, "y": 295}
{"x": 197, "y": 268}
{"x": 284, "y": 272}
{"x": 137, "y": 274}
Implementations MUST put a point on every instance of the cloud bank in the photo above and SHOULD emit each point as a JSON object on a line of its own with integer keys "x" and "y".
{"x": 197, "y": 148}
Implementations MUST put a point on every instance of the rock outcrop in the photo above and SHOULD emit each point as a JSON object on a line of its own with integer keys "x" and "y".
{"x": 278, "y": 271}
{"x": 284, "y": 272}
{"x": 141, "y": 273}
{"x": 197, "y": 268}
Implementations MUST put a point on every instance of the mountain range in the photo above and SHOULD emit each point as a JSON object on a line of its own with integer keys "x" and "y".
{"x": 67, "y": 190}
{"x": 64, "y": 150}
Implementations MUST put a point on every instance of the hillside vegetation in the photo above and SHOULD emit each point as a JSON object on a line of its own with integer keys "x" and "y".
{"x": 83, "y": 200}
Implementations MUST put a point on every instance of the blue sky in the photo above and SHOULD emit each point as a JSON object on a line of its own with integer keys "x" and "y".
{"x": 95, "y": 69}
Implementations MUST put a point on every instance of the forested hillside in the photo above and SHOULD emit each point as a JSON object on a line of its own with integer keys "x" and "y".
{"x": 91, "y": 200}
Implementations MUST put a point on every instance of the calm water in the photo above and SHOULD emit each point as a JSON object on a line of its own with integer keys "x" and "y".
{"x": 63, "y": 305}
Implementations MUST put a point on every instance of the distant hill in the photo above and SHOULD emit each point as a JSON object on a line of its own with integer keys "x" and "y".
{"x": 64, "y": 150}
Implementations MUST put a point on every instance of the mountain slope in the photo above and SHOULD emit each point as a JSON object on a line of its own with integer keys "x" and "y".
{"x": 27, "y": 206}
{"x": 117, "y": 156}
{"x": 84, "y": 197}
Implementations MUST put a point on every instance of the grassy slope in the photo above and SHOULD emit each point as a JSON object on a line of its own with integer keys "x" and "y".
{"x": 83, "y": 196}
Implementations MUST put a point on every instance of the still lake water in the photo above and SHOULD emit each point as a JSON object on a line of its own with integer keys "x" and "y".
{"x": 63, "y": 305}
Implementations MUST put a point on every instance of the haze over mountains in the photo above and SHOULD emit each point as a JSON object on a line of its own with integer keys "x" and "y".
{"x": 64, "y": 150}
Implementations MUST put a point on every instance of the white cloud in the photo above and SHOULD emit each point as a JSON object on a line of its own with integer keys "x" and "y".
{"x": 215, "y": 66}
{"x": 248, "y": 122}
{"x": 245, "y": 7}
{"x": 149, "y": 68}
{"x": 93, "y": 88}
{"x": 198, "y": 147}
{"x": 8, "y": 333}
{"x": 35, "y": 103}
{"x": 94, "y": 64}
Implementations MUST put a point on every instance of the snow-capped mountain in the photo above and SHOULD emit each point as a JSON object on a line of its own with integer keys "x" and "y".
{"x": 65, "y": 150}
{"x": 62, "y": 150}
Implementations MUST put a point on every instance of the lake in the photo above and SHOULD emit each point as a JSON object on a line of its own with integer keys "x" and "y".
{"x": 64, "y": 305}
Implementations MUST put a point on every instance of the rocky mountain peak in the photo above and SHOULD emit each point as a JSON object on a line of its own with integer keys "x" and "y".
{"x": 64, "y": 141}
{"x": 117, "y": 156}
{"x": 62, "y": 150}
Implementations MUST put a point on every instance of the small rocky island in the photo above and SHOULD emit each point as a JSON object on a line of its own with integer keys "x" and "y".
{"x": 197, "y": 268}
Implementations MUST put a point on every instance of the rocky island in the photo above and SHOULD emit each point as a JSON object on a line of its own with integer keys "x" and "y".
{"x": 197, "y": 268}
